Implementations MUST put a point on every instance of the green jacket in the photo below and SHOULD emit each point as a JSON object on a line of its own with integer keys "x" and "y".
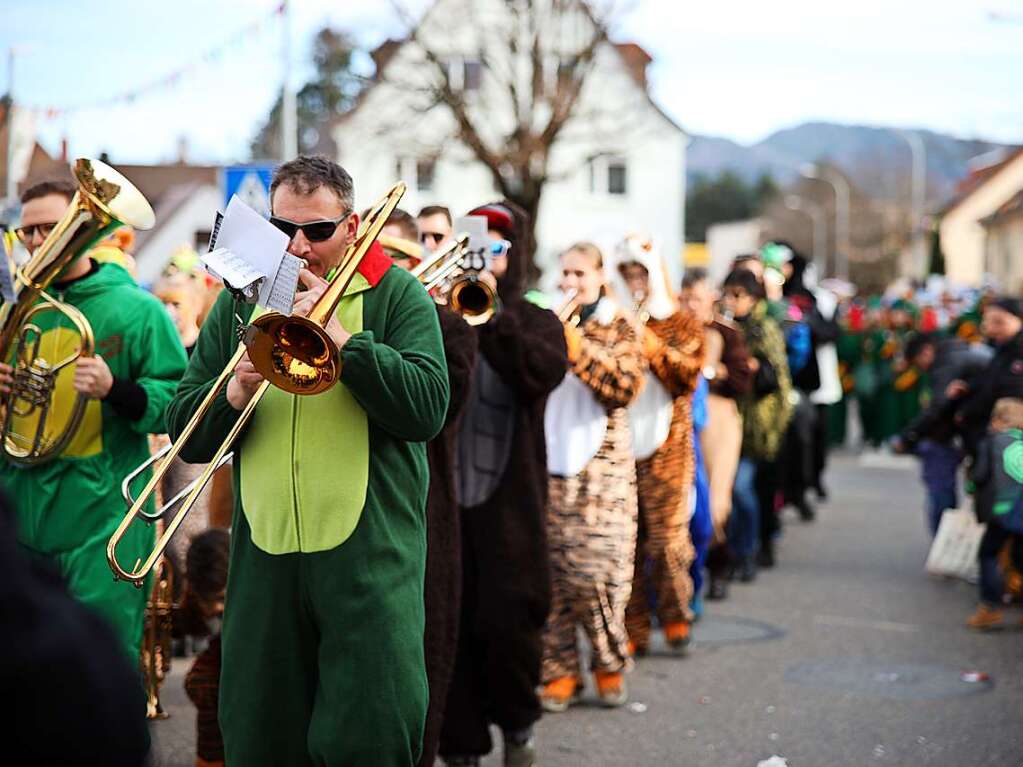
{"x": 765, "y": 418}
{"x": 76, "y": 496}
{"x": 394, "y": 378}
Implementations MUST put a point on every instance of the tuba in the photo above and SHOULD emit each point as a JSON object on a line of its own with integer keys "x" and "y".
{"x": 41, "y": 337}
{"x": 292, "y": 353}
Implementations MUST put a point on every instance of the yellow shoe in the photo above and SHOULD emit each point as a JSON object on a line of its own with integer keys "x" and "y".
{"x": 559, "y": 694}
{"x": 986, "y": 618}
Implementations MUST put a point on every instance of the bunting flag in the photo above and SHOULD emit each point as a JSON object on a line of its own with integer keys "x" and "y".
{"x": 170, "y": 81}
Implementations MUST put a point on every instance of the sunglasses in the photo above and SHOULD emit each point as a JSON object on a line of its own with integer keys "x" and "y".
{"x": 499, "y": 248}
{"x": 26, "y": 233}
{"x": 314, "y": 231}
{"x": 437, "y": 237}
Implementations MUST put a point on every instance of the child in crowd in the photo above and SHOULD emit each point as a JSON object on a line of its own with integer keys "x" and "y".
{"x": 206, "y": 570}
{"x": 998, "y": 477}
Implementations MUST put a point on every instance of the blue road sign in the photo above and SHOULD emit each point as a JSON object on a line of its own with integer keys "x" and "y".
{"x": 251, "y": 183}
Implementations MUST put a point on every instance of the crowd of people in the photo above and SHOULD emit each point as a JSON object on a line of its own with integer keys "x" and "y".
{"x": 389, "y": 569}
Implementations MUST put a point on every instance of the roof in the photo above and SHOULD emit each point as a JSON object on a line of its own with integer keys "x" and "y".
{"x": 975, "y": 179}
{"x": 633, "y": 56}
{"x": 1009, "y": 209}
{"x": 154, "y": 181}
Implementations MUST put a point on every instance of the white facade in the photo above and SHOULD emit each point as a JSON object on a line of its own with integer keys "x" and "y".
{"x": 618, "y": 165}
{"x": 185, "y": 225}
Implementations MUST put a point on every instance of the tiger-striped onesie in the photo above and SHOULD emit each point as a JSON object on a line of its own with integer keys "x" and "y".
{"x": 591, "y": 518}
{"x": 675, "y": 354}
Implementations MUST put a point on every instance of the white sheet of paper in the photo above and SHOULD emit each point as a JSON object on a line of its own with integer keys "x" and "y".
{"x": 248, "y": 235}
{"x": 231, "y": 268}
{"x": 477, "y": 256}
{"x": 279, "y": 294}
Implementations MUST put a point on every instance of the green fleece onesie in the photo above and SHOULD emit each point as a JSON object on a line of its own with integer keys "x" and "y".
{"x": 323, "y": 628}
{"x": 68, "y": 507}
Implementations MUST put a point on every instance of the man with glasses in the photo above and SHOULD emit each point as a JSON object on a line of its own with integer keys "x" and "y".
{"x": 435, "y": 227}
{"x": 323, "y": 627}
{"x": 70, "y": 505}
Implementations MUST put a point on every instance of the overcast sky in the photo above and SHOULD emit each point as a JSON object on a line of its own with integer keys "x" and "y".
{"x": 728, "y": 68}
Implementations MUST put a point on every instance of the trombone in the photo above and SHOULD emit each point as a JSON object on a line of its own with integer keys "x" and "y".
{"x": 461, "y": 288}
{"x": 292, "y": 353}
{"x": 568, "y": 311}
{"x": 434, "y": 270}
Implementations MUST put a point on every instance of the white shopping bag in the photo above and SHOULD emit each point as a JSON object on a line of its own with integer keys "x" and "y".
{"x": 955, "y": 547}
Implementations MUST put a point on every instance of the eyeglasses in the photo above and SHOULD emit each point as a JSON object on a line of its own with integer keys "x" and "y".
{"x": 26, "y": 233}
{"x": 737, "y": 295}
{"x": 437, "y": 237}
{"x": 314, "y": 231}
{"x": 499, "y": 248}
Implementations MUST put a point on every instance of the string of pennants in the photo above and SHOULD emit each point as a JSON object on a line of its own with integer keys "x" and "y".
{"x": 171, "y": 80}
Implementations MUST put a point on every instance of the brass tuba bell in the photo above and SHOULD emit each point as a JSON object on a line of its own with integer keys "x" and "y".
{"x": 34, "y": 335}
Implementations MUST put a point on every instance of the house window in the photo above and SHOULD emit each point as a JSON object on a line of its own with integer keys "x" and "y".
{"x": 425, "y": 170}
{"x": 616, "y": 177}
{"x": 472, "y": 75}
{"x": 417, "y": 173}
{"x": 463, "y": 74}
{"x": 608, "y": 175}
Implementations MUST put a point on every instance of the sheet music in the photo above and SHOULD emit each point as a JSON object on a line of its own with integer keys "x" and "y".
{"x": 279, "y": 294}
{"x": 234, "y": 270}
{"x": 248, "y": 236}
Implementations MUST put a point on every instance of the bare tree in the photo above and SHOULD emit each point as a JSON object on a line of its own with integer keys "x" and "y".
{"x": 534, "y": 58}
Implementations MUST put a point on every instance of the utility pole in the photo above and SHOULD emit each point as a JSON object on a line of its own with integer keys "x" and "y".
{"x": 919, "y": 246}
{"x": 816, "y": 214}
{"x": 11, "y": 192}
{"x": 289, "y": 117}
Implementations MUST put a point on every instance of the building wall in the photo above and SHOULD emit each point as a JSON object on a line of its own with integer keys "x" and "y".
{"x": 615, "y": 121}
{"x": 179, "y": 228}
{"x": 962, "y": 234}
{"x": 1004, "y": 253}
{"x": 727, "y": 240}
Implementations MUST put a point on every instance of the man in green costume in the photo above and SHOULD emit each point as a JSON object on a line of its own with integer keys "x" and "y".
{"x": 323, "y": 626}
{"x": 68, "y": 507}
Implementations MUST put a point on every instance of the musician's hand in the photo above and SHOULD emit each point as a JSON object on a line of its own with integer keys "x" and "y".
{"x": 573, "y": 342}
{"x": 956, "y": 389}
{"x": 306, "y": 299}
{"x": 488, "y": 279}
{"x": 754, "y": 364}
{"x": 651, "y": 343}
{"x": 243, "y": 383}
{"x": 93, "y": 377}
{"x": 6, "y": 378}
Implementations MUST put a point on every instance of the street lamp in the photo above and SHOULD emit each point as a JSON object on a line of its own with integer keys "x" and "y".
{"x": 842, "y": 212}
{"x": 816, "y": 214}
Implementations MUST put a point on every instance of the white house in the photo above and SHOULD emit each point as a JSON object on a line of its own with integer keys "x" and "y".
{"x": 618, "y": 165}
{"x": 962, "y": 229}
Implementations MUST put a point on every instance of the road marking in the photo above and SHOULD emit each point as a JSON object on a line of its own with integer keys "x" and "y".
{"x": 838, "y": 620}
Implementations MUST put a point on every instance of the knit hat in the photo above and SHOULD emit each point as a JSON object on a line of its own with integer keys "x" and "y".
{"x": 1009, "y": 304}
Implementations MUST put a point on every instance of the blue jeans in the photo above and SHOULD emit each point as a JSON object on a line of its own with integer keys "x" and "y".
{"x": 992, "y": 583}
{"x": 939, "y": 465}
{"x": 744, "y": 524}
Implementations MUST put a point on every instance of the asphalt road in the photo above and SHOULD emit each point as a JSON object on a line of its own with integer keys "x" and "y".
{"x": 845, "y": 654}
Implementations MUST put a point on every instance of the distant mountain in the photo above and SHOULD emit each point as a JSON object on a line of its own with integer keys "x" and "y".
{"x": 878, "y": 160}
